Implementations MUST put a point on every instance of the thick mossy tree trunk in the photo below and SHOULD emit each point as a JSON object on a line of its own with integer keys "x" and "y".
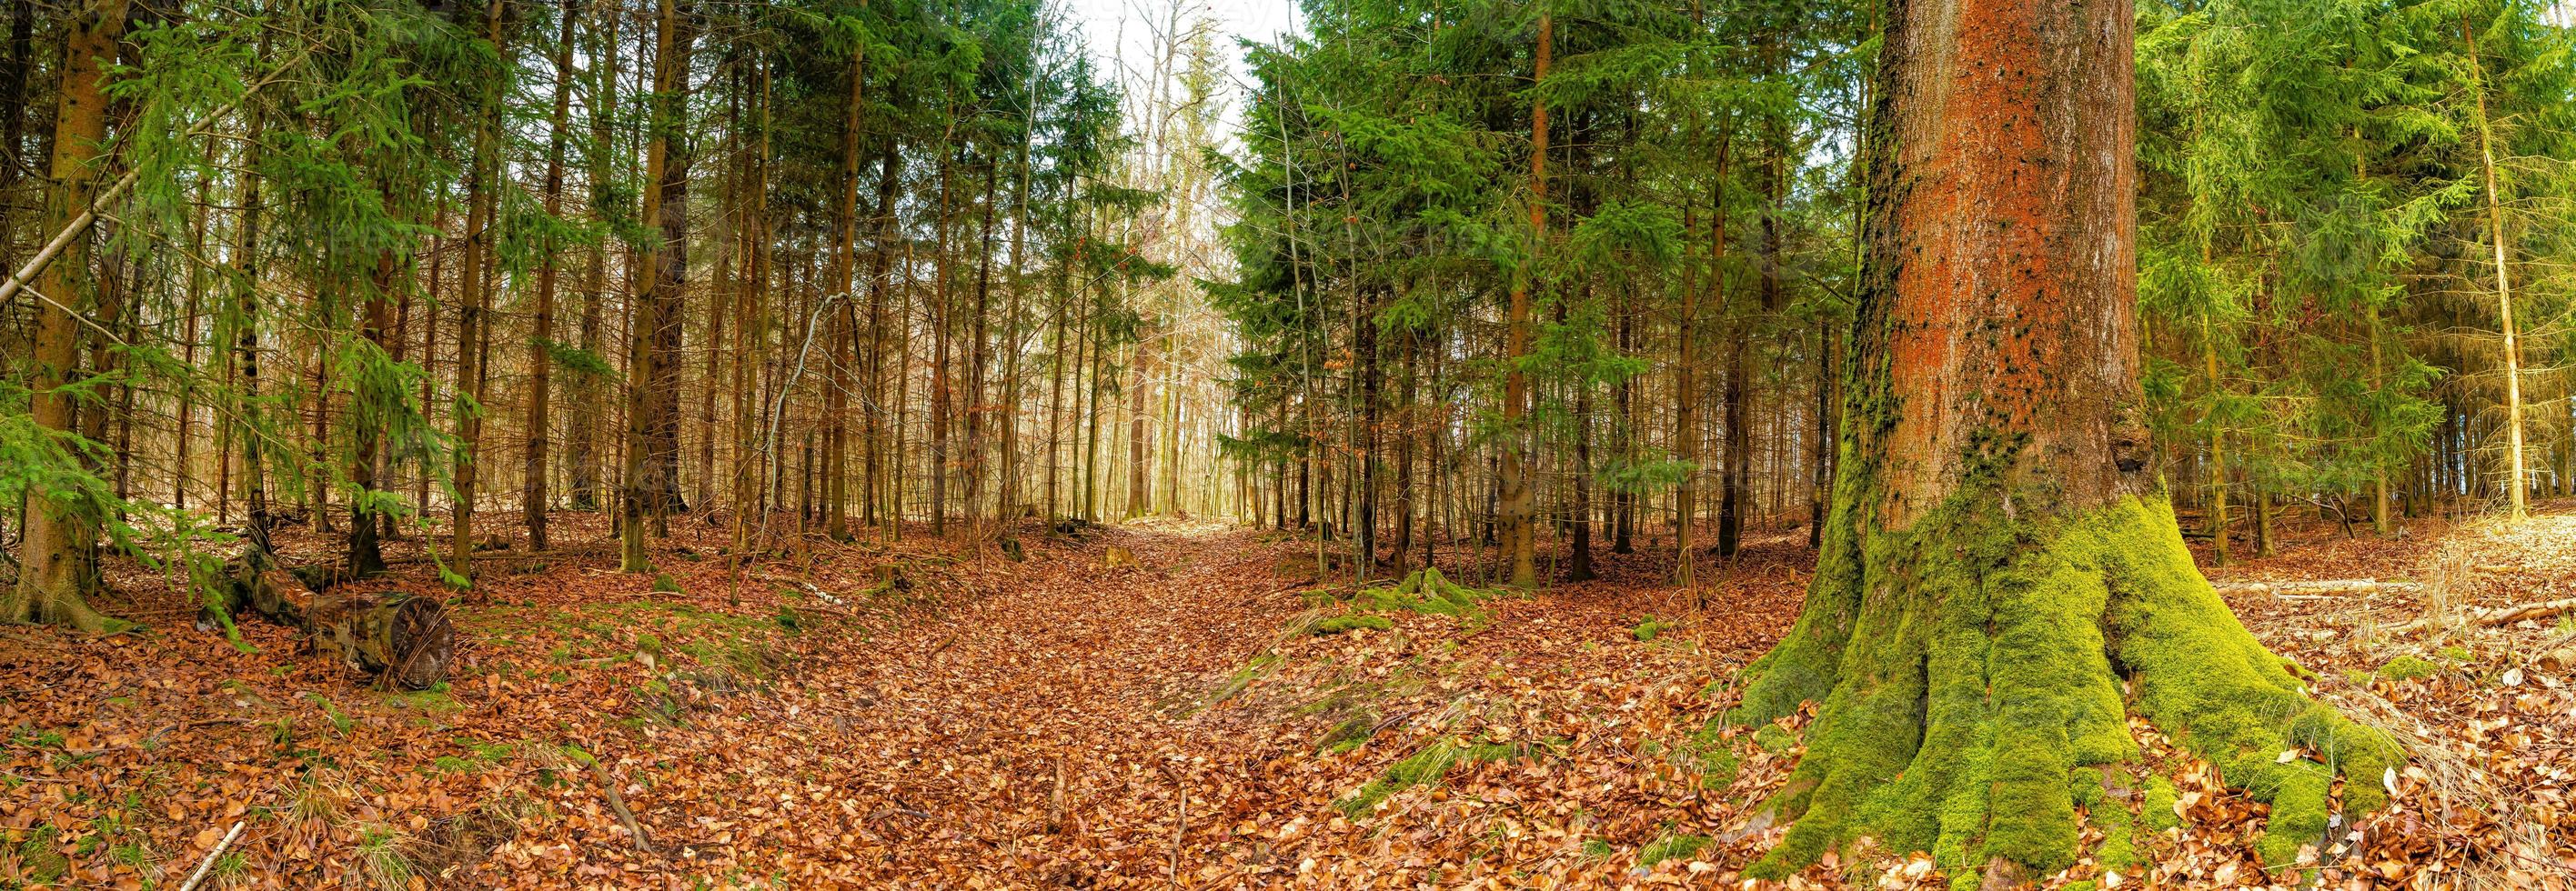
{"x": 2002, "y": 581}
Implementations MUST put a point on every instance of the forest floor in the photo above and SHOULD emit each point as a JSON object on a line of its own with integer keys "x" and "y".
{"x": 1175, "y": 719}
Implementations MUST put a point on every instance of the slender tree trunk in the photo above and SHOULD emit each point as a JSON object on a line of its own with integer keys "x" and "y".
{"x": 429, "y": 349}
{"x": 942, "y": 321}
{"x": 751, "y": 337}
{"x": 582, "y": 442}
{"x": 1579, "y": 563}
{"x": 14, "y": 70}
{"x": 844, "y": 266}
{"x": 1518, "y": 507}
{"x": 1407, "y": 421}
{"x": 1686, "y": 395}
{"x": 903, "y": 326}
{"x": 1008, "y": 507}
{"x": 1139, "y": 380}
{"x": 1091, "y": 420}
{"x": 181, "y": 471}
{"x": 971, "y": 464}
{"x": 889, "y": 175}
{"x": 1623, "y": 502}
{"x": 1819, "y": 443}
{"x": 532, "y": 496}
{"x": 2518, "y": 478}
{"x": 2217, "y": 439}
{"x": 481, "y": 191}
{"x": 1059, "y": 363}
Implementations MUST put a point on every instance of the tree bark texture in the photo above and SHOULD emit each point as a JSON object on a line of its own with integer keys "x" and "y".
{"x": 2002, "y": 581}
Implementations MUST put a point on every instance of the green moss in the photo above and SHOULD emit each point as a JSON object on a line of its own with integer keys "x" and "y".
{"x": 1774, "y": 740}
{"x": 2457, "y": 654}
{"x": 664, "y": 584}
{"x": 1671, "y": 847}
{"x": 2156, "y": 805}
{"x": 1350, "y": 734}
{"x": 1596, "y": 848}
{"x": 1339, "y": 624}
{"x": 1716, "y": 759}
{"x": 2299, "y": 814}
{"x": 1424, "y": 766}
{"x": 38, "y": 857}
{"x": 435, "y": 700}
{"x": 1427, "y": 592}
{"x": 2408, "y": 668}
{"x": 2119, "y": 848}
{"x": 1649, "y": 629}
{"x": 1985, "y": 671}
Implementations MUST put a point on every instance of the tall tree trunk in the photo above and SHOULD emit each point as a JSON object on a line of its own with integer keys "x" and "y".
{"x": 1371, "y": 382}
{"x": 429, "y": 348}
{"x": 57, "y": 550}
{"x": 844, "y": 265}
{"x": 1008, "y": 506}
{"x": 1734, "y": 485}
{"x": 1819, "y": 442}
{"x": 2517, "y": 476}
{"x": 903, "y": 327}
{"x": 582, "y": 441}
{"x": 482, "y": 191}
{"x": 17, "y": 65}
{"x": 1686, "y": 394}
{"x": 942, "y": 399}
{"x": 670, "y": 279}
{"x": 532, "y": 494}
{"x": 653, "y": 340}
{"x": 971, "y": 464}
{"x": 2002, "y": 578}
{"x": 181, "y": 472}
{"x": 889, "y": 176}
{"x": 1407, "y": 421}
{"x": 1518, "y": 506}
{"x": 751, "y": 336}
{"x": 366, "y": 525}
{"x": 1139, "y": 380}
{"x": 2217, "y": 436}
{"x": 1579, "y": 556}
{"x": 1623, "y": 503}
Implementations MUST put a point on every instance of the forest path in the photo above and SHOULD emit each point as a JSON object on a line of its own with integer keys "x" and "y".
{"x": 1039, "y": 733}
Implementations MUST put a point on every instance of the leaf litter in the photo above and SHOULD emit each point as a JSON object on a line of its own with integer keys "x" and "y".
{"x": 1063, "y": 722}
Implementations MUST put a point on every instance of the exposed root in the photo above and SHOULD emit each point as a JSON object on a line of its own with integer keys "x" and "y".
{"x": 1976, "y": 673}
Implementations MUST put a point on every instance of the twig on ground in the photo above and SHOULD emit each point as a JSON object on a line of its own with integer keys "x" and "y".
{"x": 617, "y": 802}
{"x": 209, "y": 862}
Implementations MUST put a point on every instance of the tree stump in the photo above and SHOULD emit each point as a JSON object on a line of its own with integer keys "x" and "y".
{"x": 405, "y": 639}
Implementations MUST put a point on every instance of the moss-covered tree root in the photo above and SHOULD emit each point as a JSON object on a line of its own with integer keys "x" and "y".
{"x": 1975, "y": 672}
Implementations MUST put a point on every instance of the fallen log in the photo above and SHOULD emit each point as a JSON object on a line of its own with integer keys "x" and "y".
{"x": 2502, "y": 616}
{"x": 485, "y": 556}
{"x": 401, "y": 638}
{"x": 2328, "y": 586}
{"x": 2508, "y": 615}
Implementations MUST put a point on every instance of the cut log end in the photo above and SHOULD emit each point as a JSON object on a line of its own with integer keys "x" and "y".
{"x": 405, "y": 639}
{"x": 422, "y": 641}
